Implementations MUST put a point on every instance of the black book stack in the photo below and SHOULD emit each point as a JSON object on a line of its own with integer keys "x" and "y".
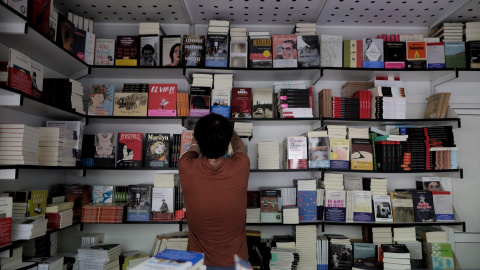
{"x": 378, "y": 107}
{"x": 88, "y": 150}
{"x": 58, "y": 93}
{"x": 38, "y": 247}
{"x": 416, "y": 149}
{"x": 175, "y": 150}
{"x": 352, "y": 108}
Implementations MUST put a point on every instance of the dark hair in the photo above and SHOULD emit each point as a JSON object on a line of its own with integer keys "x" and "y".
{"x": 294, "y": 44}
{"x": 172, "y": 50}
{"x": 148, "y": 47}
{"x": 213, "y": 133}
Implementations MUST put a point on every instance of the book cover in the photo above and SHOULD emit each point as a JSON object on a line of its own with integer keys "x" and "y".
{"x": 129, "y": 153}
{"x": 104, "y": 150}
{"x": 6, "y": 231}
{"x": 455, "y": 54}
{"x": 395, "y": 55}
{"x": 270, "y": 205}
{"x": 162, "y": 203}
{"x": 339, "y": 154}
{"x": 139, "y": 202}
{"x": 260, "y": 52}
{"x": 295, "y": 152}
{"x": 262, "y": 103}
{"x": 79, "y": 195}
{"x": 361, "y": 155}
{"x": 423, "y": 206}
{"x": 19, "y": 71}
{"x": 362, "y": 205}
{"x": 216, "y": 54}
{"x": 284, "y": 48}
{"x": 238, "y": 54}
{"x": 318, "y": 152}
{"x": 171, "y": 51}
{"x": 373, "y": 53}
{"x": 185, "y": 141}
{"x": 241, "y": 102}
{"x": 442, "y": 200}
{"x": 436, "y": 55}
{"x": 149, "y": 51}
{"x": 395, "y": 251}
{"x": 416, "y": 54}
{"x": 105, "y": 52}
{"x": 179, "y": 256}
{"x": 221, "y": 102}
{"x": 340, "y": 256}
{"x": 200, "y": 100}
{"x": 402, "y": 206}
{"x": 308, "y": 48}
{"x": 157, "y": 150}
{"x": 193, "y": 53}
{"x": 130, "y": 104}
{"x": 102, "y": 194}
{"x": 331, "y": 51}
{"x": 52, "y": 25}
{"x": 20, "y": 6}
{"x": 335, "y": 207}
{"x": 37, "y": 79}
{"x": 126, "y": 51}
{"x": 100, "y": 100}
{"x": 65, "y": 33}
{"x": 162, "y": 99}
{"x": 307, "y": 206}
{"x": 382, "y": 207}
{"x": 79, "y": 42}
{"x": 40, "y": 15}
{"x": 473, "y": 54}
{"x": 37, "y": 203}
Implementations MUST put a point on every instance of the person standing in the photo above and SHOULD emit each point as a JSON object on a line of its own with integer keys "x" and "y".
{"x": 215, "y": 192}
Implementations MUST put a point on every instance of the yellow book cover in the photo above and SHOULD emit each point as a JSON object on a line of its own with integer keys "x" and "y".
{"x": 37, "y": 204}
{"x": 130, "y": 104}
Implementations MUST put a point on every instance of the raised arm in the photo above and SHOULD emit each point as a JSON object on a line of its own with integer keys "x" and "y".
{"x": 237, "y": 143}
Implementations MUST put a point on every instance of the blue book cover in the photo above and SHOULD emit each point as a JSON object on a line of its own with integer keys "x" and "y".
{"x": 307, "y": 205}
{"x": 335, "y": 209}
{"x": 216, "y": 54}
{"x": 79, "y": 41}
{"x": 100, "y": 100}
{"x": 222, "y": 110}
{"x": 102, "y": 194}
{"x": 139, "y": 202}
{"x": 180, "y": 255}
{"x": 318, "y": 152}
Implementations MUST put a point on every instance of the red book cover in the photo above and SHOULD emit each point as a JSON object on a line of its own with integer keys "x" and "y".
{"x": 162, "y": 100}
{"x": 129, "y": 149}
{"x": 40, "y": 15}
{"x": 186, "y": 141}
{"x": 5, "y": 231}
{"x": 20, "y": 80}
{"x": 284, "y": 51}
{"x": 241, "y": 102}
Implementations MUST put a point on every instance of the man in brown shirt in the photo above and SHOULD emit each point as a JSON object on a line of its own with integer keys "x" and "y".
{"x": 215, "y": 192}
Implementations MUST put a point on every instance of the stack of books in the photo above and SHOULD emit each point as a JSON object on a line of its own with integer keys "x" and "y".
{"x": 283, "y": 257}
{"x": 268, "y": 155}
{"x": 332, "y": 181}
{"x": 306, "y": 29}
{"x": 340, "y": 250}
{"x": 104, "y": 256}
{"x": 472, "y": 31}
{"x": 404, "y": 234}
{"x": 163, "y": 197}
{"x": 238, "y": 47}
{"x": 132, "y": 258}
{"x": 382, "y": 235}
{"x": 182, "y": 104}
{"x": 37, "y": 247}
{"x": 253, "y": 215}
{"x": 429, "y": 234}
{"x": 243, "y": 129}
{"x": 149, "y": 28}
{"x": 291, "y": 214}
{"x": 56, "y": 147}
{"x": 52, "y": 263}
{"x": 19, "y": 210}
{"x": 325, "y": 103}
{"x": 358, "y": 133}
{"x": 306, "y": 199}
{"x": 221, "y": 94}
{"x": 18, "y": 144}
{"x": 53, "y": 243}
{"x": 91, "y": 239}
{"x": 216, "y": 53}
{"x": 395, "y": 256}
{"x": 294, "y": 103}
{"x": 14, "y": 258}
{"x": 28, "y": 228}
{"x": 103, "y": 212}
{"x": 378, "y": 186}
{"x": 337, "y": 131}
{"x": 59, "y": 215}
{"x": 388, "y": 103}
{"x": 449, "y": 32}
{"x": 66, "y": 94}
{"x": 3, "y": 73}
{"x": 173, "y": 259}
{"x": 306, "y": 246}
{"x": 350, "y": 88}
{"x": 238, "y": 34}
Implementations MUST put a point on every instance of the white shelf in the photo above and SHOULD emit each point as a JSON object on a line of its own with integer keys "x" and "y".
{"x": 135, "y": 72}
{"x": 362, "y": 74}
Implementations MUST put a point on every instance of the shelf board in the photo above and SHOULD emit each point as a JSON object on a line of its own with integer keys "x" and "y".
{"x": 35, "y": 106}
{"x": 286, "y": 170}
{"x": 9, "y": 15}
{"x": 282, "y": 224}
{"x": 396, "y": 172}
{"x": 256, "y": 74}
{"x": 377, "y": 122}
{"x": 365, "y": 74}
{"x": 133, "y": 120}
{"x": 397, "y": 224}
{"x": 122, "y": 72}
{"x": 467, "y": 75}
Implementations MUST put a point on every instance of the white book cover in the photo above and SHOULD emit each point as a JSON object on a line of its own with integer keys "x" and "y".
{"x": 382, "y": 208}
{"x": 6, "y": 205}
{"x": 105, "y": 52}
{"x": 442, "y": 200}
{"x": 37, "y": 78}
{"x": 238, "y": 53}
{"x": 362, "y": 205}
{"x": 19, "y": 61}
{"x": 331, "y": 51}
{"x": 89, "y": 48}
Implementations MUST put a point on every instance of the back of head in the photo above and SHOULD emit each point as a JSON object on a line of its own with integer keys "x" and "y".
{"x": 213, "y": 133}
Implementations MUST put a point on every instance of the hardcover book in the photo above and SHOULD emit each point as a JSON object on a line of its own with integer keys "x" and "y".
{"x": 262, "y": 103}
{"x": 241, "y": 102}
{"x": 104, "y": 150}
{"x": 193, "y": 53}
{"x": 373, "y": 53}
{"x": 102, "y": 194}
{"x": 423, "y": 206}
{"x": 149, "y": 51}
{"x": 284, "y": 49}
{"x": 216, "y": 51}
{"x": 335, "y": 206}
{"x": 65, "y": 33}
{"x": 105, "y": 52}
{"x": 127, "y": 51}
{"x": 361, "y": 154}
{"x": 260, "y": 52}
{"x": 157, "y": 150}
{"x": 130, "y": 104}
{"x": 353, "y": 53}
{"x": 162, "y": 100}
{"x": 139, "y": 202}
{"x": 308, "y": 51}
{"x": 162, "y": 203}
{"x": 100, "y": 100}
{"x": 330, "y": 51}
{"x": 40, "y": 15}
{"x": 455, "y": 54}
{"x": 129, "y": 153}
{"x": 238, "y": 54}
{"x": 171, "y": 51}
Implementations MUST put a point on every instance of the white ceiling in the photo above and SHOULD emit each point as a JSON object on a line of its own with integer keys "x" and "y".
{"x": 419, "y": 13}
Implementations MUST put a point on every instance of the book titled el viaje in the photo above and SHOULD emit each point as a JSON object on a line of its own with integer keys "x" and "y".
{"x": 157, "y": 150}
{"x": 193, "y": 51}
{"x": 162, "y": 99}
{"x": 129, "y": 149}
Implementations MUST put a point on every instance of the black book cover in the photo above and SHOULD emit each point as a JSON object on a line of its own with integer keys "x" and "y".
{"x": 423, "y": 206}
{"x": 260, "y": 53}
{"x": 473, "y": 54}
{"x": 104, "y": 150}
{"x": 65, "y": 33}
{"x": 193, "y": 54}
{"x": 216, "y": 54}
{"x": 157, "y": 150}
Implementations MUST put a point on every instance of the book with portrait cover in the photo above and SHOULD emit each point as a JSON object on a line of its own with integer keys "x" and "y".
{"x": 157, "y": 150}
{"x": 335, "y": 207}
{"x": 402, "y": 206}
{"x": 104, "y": 52}
{"x": 162, "y": 203}
{"x": 423, "y": 206}
{"x": 171, "y": 51}
{"x": 382, "y": 208}
{"x": 216, "y": 54}
{"x": 100, "y": 100}
{"x": 284, "y": 49}
{"x": 40, "y": 14}
{"x": 308, "y": 50}
{"x": 241, "y": 102}
{"x": 37, "y": 202}
{"x": 260, "y": 52}
{"x": 139, "y": 202}
{"x": 162, "y": 99}
{"x": 193, "y": 52}
{"x": 104, "y": 150}
{"x": 130, "y": 104}
{"x": 129, "y": 149}
{"x": 102, "y": 194}
{"x": 149, "y": 51}
{"x": 65, "y": 33}
{"x": 127, "y": 51}
{"x": 361, "y": 154}
{"x": 373, "y": 53}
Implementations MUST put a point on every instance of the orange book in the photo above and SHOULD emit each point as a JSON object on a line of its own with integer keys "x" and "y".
{"x": 416, "y": 50}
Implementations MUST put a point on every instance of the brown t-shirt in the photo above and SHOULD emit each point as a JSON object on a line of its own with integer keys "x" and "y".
{"x": 216, "y": 201}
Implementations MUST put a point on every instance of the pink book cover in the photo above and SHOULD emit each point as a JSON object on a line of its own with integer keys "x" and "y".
{"x": 162, "y": 99}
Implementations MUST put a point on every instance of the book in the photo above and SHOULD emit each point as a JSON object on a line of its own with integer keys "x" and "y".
{"x": 395, "y": 55}
{"x": 37, "y": 79}
{"x": 162, "y": 99}
{"x": 335, "y": 205}
{"x": 104, "y": 52}
{"x": 149, "y": 51}
{"x": 455, "y": 54}
{"x": 100, "y": 100}
{"x": 262, "y": 106}
{"x": 416, "y": 55}
{"x": 318, "y": 151}
{"x": 19, "y": 71}
{"x": 442, "y": 200}
{"x": 19, "y": 6}
{"x": 130, "y": 104}
{"x": 352, "y": 53}
{"x": 104, "y": 150}
{"x": 174, "y": 259}
{"x": 193, "y": 52}
{"x": 129, "y": 153}
{"x": 373, "y": 53}
{"x": 171, "y": 51}
{"x": 382, "y": 207}
{"x": 126, "y": 51}
{"x": 402, "y": 206}
{"x": 473, "y": 54}
{"x": 139, "y": 202}
{"x": 162, "y": 203}
{"x": 157, "y": 150}
{"x": 102, "y": 194}
{"x": 40, "y": 15}
{"x": 331, "y": 51}
{"x": 80, "y": 195}
{"x": 270, "y": 205}
{"x": 260, "y": 52}
{"x": 361, "y": 155}
{"x": 423, "y": 206}
{"x": 295, "y": 152}
{"x": 284, "y": 48}
{"x": 241, "y": 106}
{"x": 52, "y": 25}
{"x": 307, "y": 205}
{"x": 79, "y": 41}
{"x": 308, "y": 51}
{"x": 37, "y": 202}
{"x": 399, "y": 251}
{"x": 238, "y": 54}
{"x": 362, "y": 205}
{"x": 436, "y": 55}
{"x": 339, "y": 153}
{"x": 200, "y": 100}
{"x": 65, "y": 33}
{"x": 216, "y": 54}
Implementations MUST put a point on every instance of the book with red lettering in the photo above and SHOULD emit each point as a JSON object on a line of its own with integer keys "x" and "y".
{"x": 241, "y": 102}
{"x": 129, "y": 149}
{"x": 162, "y": 99}
{"x": 104, "y": 52}
{"x": 19, "y": 72}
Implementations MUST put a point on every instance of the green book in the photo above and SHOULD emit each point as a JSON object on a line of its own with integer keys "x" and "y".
{"x": 455, "y": 54}
{"x": 37, "y": 203}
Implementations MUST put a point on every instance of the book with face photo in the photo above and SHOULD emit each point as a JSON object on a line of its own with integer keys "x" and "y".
{"x": 171, "y": 51}
{"x": 284, "y": 51}
{"x": 157, "y": 150}
{"x": 382, "y": 208}
{"x": 104, "y": 150}
{"x": 100, "y": 100}
{"x": 373, "y": 53}
{"x": 308, "y": 48}
{"x": 149, "y": 52}
{"x": 139, "y": 202}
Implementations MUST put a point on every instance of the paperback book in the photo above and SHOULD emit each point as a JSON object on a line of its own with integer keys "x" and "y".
{"x": 127, "y": 51}
{"x": 157, "y": 150}
{"x": 162, "y": 100}
{"x": 442, "y": 200}
{"x": 335, "y": 207}
{"x": 284, "y": 51}
{"x": 100, "y": 100}
{"x": 318, "y": 152}
{"x": 216, "y": 51}
{"x": 373, "y": 53}
{"x": 129, "y": 152}
{"x": 162, "y": 203}
{"x": 149, "y": 51}
{"x": 105, "y": 52}
{"x": 102, "y": 194}
{"x": 262, "y": 103}
{"x": 382, "y": 207}
{"x": 130, "y": 104}
{"x": 104, "y": 150}
{"x": 171, "y": 51}
{"x": 339, "y": 154}
{"x": 238, "y": 54}
{"x": 241, "y": 102}
{"x": 139, "y": 202}
{"x": 200, "y": 100}
{"x": 193, "y": 51}
{"x": 270, "y": 205}
{"x": 260, "y": 52}
{"x": 423, "y": 206}
{"x": 308, "y": 51}
{"x": 65, "y": 33}
{"x": 307, "y": 205}
{"x": 361, "y": 154}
